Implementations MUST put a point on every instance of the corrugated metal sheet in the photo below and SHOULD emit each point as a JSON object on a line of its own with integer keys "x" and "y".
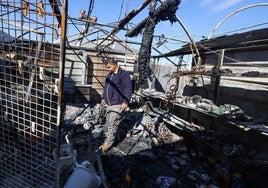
{"x": 30, "y": 92}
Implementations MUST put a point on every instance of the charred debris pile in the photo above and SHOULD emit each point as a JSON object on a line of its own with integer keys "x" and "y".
{"x": 163, "y": 140}
{"x": 156, "y": 148}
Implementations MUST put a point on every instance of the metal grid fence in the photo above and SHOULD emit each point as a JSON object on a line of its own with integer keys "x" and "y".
{"x": 31, "y": 51}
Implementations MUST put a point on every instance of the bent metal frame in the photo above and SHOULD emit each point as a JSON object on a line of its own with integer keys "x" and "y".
{"x": 32, "y": 52}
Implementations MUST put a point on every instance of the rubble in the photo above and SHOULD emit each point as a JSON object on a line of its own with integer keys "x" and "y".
{"x": 147, "y": 153}
{"x": 164, "y": 140}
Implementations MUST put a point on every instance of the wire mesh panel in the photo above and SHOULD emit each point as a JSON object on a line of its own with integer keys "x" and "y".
{"x": 31, "y": 38}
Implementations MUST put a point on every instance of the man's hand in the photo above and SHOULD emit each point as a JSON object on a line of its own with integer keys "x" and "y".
{"x": 124, "y": 106}
{"x": 103, "y": 102}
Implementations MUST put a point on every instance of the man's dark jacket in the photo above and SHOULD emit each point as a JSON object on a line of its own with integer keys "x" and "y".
{"x": 118, "y": 88}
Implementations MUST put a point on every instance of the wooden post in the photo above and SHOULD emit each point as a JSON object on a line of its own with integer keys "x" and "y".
{"x": 218, "y": 77}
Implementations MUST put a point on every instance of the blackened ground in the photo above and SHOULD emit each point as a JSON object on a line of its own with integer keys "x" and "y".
{"x": 136, "y": 161}
{"x": 199, "y": 159}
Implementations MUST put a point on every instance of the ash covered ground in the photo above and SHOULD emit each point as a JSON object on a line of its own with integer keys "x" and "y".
{"x": 148, "y": 154}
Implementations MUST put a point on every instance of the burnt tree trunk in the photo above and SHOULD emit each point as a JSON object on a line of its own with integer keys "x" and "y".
{"x": 165, "y": 12}
{"x": 145, "y": 53}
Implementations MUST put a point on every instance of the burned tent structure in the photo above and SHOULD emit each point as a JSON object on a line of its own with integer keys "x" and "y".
{"x": 51, "y": 123}
{"x": 234, "y": 66}
{"x": 41, "y": 71}
{"x": 225, "y": 94}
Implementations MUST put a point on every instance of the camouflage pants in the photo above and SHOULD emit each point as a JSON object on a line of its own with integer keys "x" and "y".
{"x": 113, "y": 118}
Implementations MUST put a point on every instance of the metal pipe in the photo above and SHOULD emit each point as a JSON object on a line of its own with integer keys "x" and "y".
{"x": 126, "y": 19}
{"x": 191, "y": 39}
{"x": 60, "y": 86}
{"x": 37, "y": 54}
{"x": 233, "y": 13}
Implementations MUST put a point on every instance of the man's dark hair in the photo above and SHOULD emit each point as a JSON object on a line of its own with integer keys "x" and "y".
{"x": 110, "y": 60}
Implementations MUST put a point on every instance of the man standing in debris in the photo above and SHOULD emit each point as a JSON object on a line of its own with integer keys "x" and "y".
{"x": 117, "y": 94}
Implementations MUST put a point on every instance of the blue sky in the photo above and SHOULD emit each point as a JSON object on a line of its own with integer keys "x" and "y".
{"x": 198, "y": 16}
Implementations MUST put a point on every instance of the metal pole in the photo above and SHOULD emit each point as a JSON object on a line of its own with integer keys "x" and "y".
{"x": 227, "y": 17}
{"x": 34, "y": 68}
{"x": 60, "y": 86}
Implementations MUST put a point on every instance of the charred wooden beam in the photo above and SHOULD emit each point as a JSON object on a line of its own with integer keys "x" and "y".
{"x": 132, "y": 14}
{"x": 166, "y": 11}
{"x": 137, "y": 29}
{"x": 218, "y": 78}
{"x": 145, "y": 49}
{"x": 56, "y": 10}
{"x": 126, "y": 19}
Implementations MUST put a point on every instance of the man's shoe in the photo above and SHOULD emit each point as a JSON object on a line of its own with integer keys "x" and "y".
{"x": 104, "y": 147}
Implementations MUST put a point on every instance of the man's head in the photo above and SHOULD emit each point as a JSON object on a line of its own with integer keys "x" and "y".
{"x": 111, "y": 64}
